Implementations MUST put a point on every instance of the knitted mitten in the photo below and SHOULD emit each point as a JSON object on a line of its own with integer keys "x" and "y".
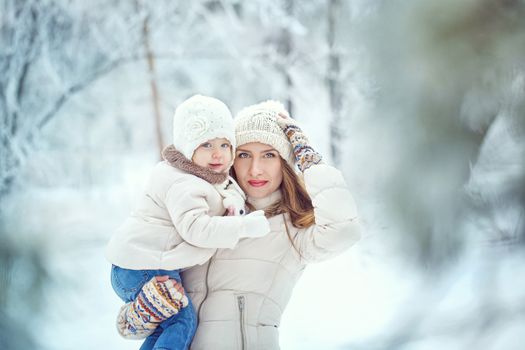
{"x": 305, "y": 155}
{"x": 156, "y": 302}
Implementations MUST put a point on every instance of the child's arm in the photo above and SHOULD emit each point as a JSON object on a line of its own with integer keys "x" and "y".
{"x": 189, "y": 213}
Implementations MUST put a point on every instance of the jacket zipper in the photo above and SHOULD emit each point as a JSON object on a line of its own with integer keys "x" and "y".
{"x": 240, "y": 302}
{"x": 207, "y": 288}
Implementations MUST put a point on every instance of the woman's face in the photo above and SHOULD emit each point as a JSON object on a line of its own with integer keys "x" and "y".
{"x": 258, "y": 169}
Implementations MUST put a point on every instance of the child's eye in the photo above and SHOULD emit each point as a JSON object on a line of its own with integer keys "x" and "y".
{"x": 206, "y": 145}
{"x": 225, "y": 145}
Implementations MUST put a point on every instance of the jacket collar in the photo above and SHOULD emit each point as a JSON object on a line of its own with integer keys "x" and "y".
{"x": 262, "y": 203}
{"x": 177, "y": 160}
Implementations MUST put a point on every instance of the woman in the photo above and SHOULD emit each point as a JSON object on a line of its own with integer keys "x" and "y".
{"x": 240, "y": 294}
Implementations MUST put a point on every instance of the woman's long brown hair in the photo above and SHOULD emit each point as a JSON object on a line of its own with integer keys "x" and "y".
{"x": 295, "y": 200}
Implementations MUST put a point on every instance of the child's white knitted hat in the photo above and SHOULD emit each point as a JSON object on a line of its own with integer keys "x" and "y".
{"x": 258, "y": 123}
{"x": 199, "y": 119}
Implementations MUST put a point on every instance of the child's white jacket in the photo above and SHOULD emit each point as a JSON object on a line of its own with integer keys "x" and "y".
{"x": 178, "y": 223}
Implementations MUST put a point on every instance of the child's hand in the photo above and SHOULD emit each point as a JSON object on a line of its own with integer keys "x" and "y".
{"x": 255, "y": 225}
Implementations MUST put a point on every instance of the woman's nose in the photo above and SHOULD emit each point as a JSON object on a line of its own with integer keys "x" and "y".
{"x": 255, "y": 168}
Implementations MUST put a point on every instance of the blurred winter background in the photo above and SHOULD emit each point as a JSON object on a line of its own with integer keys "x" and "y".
{"x": 420, "y": 103}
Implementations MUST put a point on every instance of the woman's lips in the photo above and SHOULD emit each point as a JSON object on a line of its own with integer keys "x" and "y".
{"x": 257, "y": 183}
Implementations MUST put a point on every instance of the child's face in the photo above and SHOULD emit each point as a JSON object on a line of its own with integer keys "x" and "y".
{"x": 214, "y": 154}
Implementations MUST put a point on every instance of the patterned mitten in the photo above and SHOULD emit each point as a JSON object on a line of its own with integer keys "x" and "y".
{"x": 233, "y": 196}
{"x": 305, "y": 155}
{"x": 156, "y": 302}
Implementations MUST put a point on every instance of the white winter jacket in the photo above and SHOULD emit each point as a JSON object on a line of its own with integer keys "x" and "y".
{"x": 178, "y": 223}
{"x": 240, "y": 294}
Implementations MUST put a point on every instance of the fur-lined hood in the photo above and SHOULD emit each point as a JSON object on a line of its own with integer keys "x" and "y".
{"x": 177, "y": 160}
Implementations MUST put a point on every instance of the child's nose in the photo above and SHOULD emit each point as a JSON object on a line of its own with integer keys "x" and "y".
{"x": 216, "y": 154}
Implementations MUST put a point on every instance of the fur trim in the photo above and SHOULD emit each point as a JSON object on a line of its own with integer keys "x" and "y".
{"x": 177, "y": 160}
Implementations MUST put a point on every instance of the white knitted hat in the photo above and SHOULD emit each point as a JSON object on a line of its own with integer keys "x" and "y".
{"x": 258, "y": 123}
{"x": 199, "y": 119}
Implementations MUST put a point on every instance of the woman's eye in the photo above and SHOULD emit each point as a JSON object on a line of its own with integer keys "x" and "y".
{"x": 242, "y": 155}
{"x": 269, "y": 155}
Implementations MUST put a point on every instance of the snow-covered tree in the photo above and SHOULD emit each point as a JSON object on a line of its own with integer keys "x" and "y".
{"x": 51, "y": 51}
{"x": 448, "y": 124}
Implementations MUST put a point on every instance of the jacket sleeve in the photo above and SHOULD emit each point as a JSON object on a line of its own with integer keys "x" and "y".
{"x": 336, "y": 225}
{"x": 189, "y": 211}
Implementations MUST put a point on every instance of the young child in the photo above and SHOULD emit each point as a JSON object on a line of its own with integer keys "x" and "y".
{"x": 179, "y": 223}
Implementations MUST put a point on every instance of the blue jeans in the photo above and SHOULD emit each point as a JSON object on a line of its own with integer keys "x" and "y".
{"x": 175, "y": 333}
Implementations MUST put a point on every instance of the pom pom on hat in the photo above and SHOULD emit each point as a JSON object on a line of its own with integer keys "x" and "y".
{"x": 258, "y": 123}
{"x": 199, "y": 119}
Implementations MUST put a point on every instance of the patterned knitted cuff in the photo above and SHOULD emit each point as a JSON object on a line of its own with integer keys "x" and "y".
{"x": 156, "y": 302}
{"x": 305, "y": 155}
{"x": 131, "y": 324}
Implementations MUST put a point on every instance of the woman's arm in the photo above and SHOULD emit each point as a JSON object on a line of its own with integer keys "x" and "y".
{"x": 336, "y": 225}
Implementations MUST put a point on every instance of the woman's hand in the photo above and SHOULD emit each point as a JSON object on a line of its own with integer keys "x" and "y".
{"x": 305, "y": 155}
